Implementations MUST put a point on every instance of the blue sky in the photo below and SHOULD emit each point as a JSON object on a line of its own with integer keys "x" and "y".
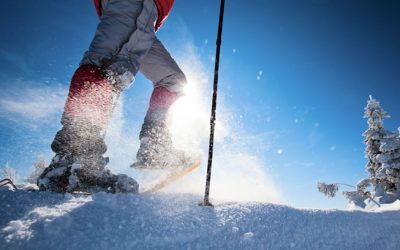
{"x": 294, "y": 79}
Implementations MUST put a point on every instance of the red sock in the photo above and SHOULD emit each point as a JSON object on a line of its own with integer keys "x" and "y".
{"x": 90, "y": 96}
{"x": 162, "y": 98}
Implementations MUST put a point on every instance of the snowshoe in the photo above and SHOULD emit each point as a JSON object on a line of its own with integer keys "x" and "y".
{"x": 66, "y": 174}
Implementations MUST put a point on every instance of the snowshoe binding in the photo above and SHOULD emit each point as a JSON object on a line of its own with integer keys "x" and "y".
{"x": 68, "y": 174}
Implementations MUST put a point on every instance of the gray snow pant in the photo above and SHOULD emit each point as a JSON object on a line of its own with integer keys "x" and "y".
{"x": 125, "y": 42}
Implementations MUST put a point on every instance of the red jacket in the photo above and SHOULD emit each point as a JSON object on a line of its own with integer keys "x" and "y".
{"x": 163, "y": 7}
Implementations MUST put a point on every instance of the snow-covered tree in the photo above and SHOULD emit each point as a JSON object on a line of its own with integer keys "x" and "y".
{"x": 39, "y": 167}
{"x": 374, "y": 135}
{"x": 8, "y": 172}
{"x": 383, "y": 154}
{"x": 383, "y": 151}
{"x": 389, "y": 158}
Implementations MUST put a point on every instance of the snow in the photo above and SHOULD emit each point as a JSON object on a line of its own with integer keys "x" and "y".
{"x": 390, "y": 145}
{"x": 388, "y": 207}
{"x": 43, "y": 220}
{"x": 373, "y": 207}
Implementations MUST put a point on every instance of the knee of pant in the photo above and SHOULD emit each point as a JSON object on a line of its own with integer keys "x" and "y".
{"x": 181, "y": 78}
{"x": 121, "y": 73}
{"x": 94, "y": 58}
{"x": 180, "y": 84}
{"x": 175, "y": 83}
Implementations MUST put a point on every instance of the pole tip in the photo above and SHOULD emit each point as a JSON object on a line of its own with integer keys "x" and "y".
{"x": 206, "y": 204}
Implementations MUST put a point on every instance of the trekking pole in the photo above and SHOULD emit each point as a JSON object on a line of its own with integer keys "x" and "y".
{"x": 206, "y": 201}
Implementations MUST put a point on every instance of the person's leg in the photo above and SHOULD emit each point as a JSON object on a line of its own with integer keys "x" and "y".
{"x": 156, "y": 149}
{"x": 79, "y": 145}
{"x": 124, "y": 65}
{"x": 117, "y": 24}
{"x": 159, "y": 67}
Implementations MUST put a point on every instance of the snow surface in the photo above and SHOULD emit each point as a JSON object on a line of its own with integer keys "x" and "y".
{"x": 43, "y": 220}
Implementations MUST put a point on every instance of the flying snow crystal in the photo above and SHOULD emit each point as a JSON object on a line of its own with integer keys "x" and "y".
{"x": 279, "y": 151}
{"x": 259, "y": 75}
{"x": 7, "y": 172}
{"x": 117, "y": 135}
{"x": 38, "y": 167}
{"x": 234, "y": 51}
{"x": 332, "y": 148}
{"x": 237, "y": 174}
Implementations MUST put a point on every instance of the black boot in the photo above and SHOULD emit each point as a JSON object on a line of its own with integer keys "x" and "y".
{"x": 79, "y": 164}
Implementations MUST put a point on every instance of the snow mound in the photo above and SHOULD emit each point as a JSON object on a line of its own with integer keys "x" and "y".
{"x": 395, "y": 206}
{"x": 41, "y": 220}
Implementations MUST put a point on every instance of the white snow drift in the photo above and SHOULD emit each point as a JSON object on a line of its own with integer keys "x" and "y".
{"x": 33, "y": 220}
